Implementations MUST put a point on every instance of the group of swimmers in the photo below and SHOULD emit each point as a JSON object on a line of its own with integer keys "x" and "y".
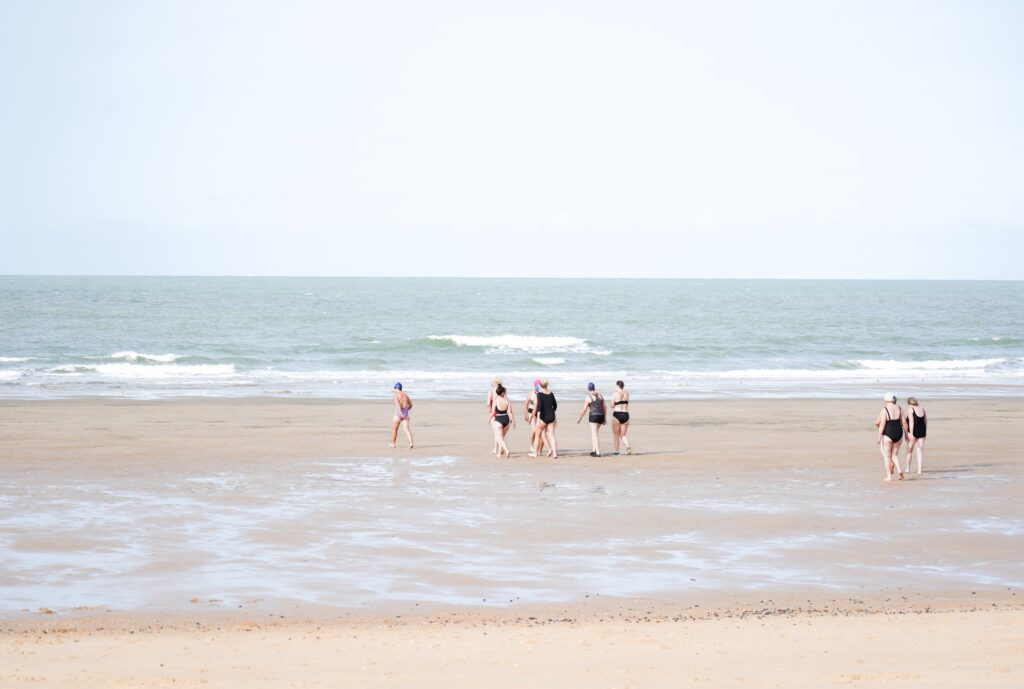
{"x": 540, "y": 413}
{"x": 893, "y": 424}
{"x": 541, "y": 406}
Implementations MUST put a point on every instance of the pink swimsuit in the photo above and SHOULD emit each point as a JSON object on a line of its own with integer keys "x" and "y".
{"x": 401, "y": 413}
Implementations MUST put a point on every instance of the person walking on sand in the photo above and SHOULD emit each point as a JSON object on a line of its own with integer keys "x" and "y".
{"x": 490, "y": 407}
{"x": 594, "y": 404}
{"x": 403, "y": 405}
{"x": 620, "y": 417}
{"x": 546, "y": 406}
{"x": 531, "y": 413}
{"x": 501, "y": 419}
{"x": 916, "y": 426}
{"x": 890, "y": 435}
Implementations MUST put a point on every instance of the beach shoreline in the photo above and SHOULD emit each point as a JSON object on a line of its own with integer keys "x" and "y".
{"x": 283, "y": 540}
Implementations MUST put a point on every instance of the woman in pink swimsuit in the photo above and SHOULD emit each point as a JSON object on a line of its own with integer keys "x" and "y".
{"x": 403, "y": 405}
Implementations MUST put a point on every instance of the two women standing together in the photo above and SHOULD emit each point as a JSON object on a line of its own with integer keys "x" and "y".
{"x": 892, "y": 425}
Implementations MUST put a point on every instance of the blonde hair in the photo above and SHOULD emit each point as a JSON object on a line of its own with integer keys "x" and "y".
{"x": 495, "y": 382}
{"x": 544, "y": 384}
{"x": 912, "y": 401}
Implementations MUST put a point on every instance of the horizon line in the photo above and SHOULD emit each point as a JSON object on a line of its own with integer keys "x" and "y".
{"x": 490, "y": 277}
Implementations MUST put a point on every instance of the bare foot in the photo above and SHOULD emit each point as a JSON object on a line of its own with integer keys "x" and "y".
{"x": 391, "y": 444}
{"x": 887, "y": 478}
{"x": 531, "y": 454}
{"x": 901, "y": 475}
{"x": 411, "y": 447}
{"x": 629, "y": 450}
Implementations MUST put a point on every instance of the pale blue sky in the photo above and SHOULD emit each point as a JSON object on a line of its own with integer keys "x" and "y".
{"x": 670, "y": 139}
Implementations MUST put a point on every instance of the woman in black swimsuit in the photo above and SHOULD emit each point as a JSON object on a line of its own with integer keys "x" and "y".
{"x": 890, "y": 435}
{"x": 546, "y": 406}
{"x": 501, "y": 419}
{"x": 620, "y": 417}
{"x": 917, "y": 429}
{"x": 531, "y": 413}
{"x": 593, "y": 405}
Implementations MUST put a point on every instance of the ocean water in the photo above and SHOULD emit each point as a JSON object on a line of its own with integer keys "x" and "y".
{"x": 154, "y": 337}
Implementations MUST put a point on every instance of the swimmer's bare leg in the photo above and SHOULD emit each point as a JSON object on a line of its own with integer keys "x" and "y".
{"x": 394, "y": 431}
{"x": 408, "y": 431}
{"x": 886, "y": 447}
{"x": 549, "y": 433}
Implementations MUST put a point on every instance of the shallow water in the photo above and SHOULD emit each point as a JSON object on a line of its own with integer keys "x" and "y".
{"x": 363, "y": 531}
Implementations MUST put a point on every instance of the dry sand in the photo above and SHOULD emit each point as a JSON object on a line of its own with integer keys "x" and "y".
{"x": 913, "y": 614}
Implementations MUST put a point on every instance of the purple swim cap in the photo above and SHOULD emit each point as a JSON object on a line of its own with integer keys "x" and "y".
{"x": 398, "y": 386}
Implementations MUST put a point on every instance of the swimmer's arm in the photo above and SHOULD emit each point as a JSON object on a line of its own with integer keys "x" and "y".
{"x": 586, "y": 405}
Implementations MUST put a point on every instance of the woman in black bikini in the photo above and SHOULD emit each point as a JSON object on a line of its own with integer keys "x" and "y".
{"x": 917, "y": 429}
{"x": 620, "y": 417}
{"x": 890, "y": 435}
{"x": 501, "y": 419}
{"x": 490, "y": 407}
{"x": 546, "y": 406}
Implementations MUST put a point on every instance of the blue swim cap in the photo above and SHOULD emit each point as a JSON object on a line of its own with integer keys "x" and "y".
{"x": 536, "y": 388}
{"x": 398, "y": 386}
{"x": 590, "y": 386}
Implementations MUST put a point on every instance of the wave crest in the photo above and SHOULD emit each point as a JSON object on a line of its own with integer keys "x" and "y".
{"x": 149, "y": 372}
{"x": 130, "y": 355}
{"x": 532, "y": 344}
{"x": 882, "y": 365}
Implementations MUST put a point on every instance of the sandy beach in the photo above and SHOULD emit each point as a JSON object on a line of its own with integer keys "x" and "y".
{"x": 225, "y": 542}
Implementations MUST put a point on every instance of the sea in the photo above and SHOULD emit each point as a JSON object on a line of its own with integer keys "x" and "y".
{"x": 353, "y": 338}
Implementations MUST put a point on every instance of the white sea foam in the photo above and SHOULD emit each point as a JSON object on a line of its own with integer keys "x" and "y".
{"x": 10, "y": 375}
{"x": 548, "y": 360}
{"x": 932, "y": 365}
{"x": 149, "y": 372}
{"x": 533, "y": 344}
{"x": 137, "y": 356}
{"x": 13, "y": 359}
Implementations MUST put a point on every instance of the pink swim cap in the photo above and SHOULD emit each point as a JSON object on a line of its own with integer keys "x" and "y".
{"x": 536, "y": 381}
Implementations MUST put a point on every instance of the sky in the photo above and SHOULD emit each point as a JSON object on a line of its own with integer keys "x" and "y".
{"x": 554, "y": 139}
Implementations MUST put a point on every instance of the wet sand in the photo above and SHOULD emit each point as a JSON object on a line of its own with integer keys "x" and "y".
{"x": 199, "y": 524}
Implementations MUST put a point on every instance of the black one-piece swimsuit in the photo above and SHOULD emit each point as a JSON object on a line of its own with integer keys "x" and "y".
{"x": 893, "y": 428}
